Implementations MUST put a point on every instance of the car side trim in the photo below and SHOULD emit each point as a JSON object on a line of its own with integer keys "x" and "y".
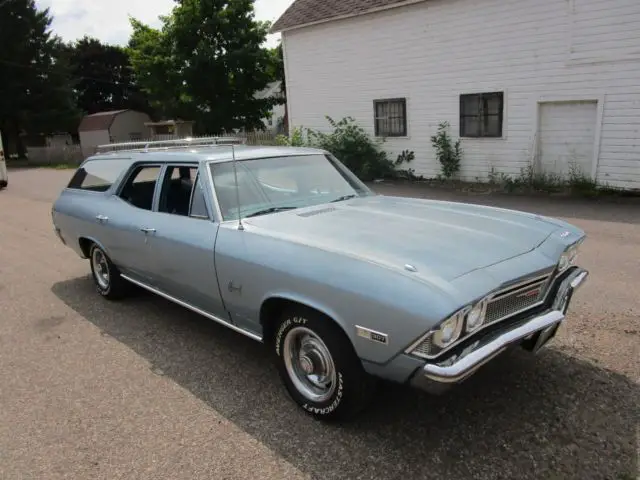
{"x": 251, "y": 335}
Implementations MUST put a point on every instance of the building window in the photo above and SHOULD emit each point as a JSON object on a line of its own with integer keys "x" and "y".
{"x": 135, "y": 136}
{"x": 481, "y": 114}
{"x": 390, "y": 117}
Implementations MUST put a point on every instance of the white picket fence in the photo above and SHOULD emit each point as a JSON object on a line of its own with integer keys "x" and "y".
{"x": 55, "y": 155}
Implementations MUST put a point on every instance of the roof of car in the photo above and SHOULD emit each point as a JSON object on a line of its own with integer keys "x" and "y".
{"x": 209, "y": 153}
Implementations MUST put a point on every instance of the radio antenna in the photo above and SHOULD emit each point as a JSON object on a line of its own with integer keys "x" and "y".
{"x": 235, "y": 176}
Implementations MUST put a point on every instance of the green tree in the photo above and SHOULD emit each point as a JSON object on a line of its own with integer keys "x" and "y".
{"x": 276, "y": 69}
{"x": 104, "y": 78}
{"x": 156, "y": 71}
{"x": 206, "y": 62}
{"x": 36, "y": 91}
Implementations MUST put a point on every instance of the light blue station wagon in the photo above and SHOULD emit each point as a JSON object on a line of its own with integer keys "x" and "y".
{"x": 344, "y": 286}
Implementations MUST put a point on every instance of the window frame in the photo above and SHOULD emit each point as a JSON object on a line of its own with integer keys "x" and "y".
{"x": 376, "y": 127}
{"x": 481, "y": 115}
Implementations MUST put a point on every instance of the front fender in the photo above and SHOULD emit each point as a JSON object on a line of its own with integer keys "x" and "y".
{"x": 349, "y": 290}
{"x": 380, "y": 316}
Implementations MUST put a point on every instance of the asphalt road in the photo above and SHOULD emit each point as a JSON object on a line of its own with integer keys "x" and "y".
{"x": 145, "y": 389}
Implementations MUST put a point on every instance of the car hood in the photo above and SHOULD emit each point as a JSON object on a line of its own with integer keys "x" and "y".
{"x": 438, "y": 239}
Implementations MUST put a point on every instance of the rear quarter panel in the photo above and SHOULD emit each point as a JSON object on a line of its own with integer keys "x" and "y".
{"x": 74, "y": 215}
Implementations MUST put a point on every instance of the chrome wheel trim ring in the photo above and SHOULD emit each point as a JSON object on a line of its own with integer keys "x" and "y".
{"x": 100, "y": 268}
{"x": 309, "y": 364}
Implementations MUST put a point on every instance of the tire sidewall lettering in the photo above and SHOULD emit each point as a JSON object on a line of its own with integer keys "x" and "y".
{"x": 333, "y": 405}
{"x": 284, "y": 327}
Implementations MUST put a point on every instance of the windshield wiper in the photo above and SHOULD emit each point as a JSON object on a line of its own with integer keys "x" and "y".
{"x": 344, "y": 197}
{"x": 269, "y": 210}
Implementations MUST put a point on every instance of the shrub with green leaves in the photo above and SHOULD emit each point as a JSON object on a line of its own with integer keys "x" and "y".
{"x": 448, "y": 153}
{"x": 354, "y": 147}
{"x": 350, "y": 143}
{"x": 297, "y": 138}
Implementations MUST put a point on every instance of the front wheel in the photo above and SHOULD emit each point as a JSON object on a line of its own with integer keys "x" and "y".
{"x": 319, "y": 366}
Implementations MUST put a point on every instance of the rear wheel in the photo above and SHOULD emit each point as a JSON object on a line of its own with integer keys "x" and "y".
{"x": 106, "y": 275}
{"x": 319, "y": 366}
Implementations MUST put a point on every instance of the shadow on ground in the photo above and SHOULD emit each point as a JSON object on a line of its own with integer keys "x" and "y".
{"x": 620, "y": 210}
{"x": 550, "y": 416}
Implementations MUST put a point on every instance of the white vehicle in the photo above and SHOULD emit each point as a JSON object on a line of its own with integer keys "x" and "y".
{"x": 4, "y": 176}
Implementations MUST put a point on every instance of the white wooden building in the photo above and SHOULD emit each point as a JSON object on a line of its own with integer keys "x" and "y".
{"x": 547, "y": 83}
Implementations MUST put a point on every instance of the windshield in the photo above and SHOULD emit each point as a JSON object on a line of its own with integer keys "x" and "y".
{"x": 268, "y": 185}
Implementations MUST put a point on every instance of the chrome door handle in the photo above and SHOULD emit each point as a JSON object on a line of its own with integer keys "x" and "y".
{"x": 102, "y": 218}
{"x": 148, "y": 230}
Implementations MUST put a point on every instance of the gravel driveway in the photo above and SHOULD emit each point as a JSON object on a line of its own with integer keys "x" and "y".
{"x": 146, "y": 389}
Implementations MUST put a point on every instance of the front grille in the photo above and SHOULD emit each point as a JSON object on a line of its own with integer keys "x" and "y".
{"x": 503, "y": 304}
{"x": 424, "y": 348}
{"x": 516, "y": 299}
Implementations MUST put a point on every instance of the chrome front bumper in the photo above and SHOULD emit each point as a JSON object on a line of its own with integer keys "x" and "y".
{"x": 535, "y": 332}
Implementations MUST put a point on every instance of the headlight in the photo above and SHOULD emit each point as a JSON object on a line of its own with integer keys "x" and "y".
{"x": 568, "y": 258}
{"x": 448, "y": 331}
{"x": 475, "y": 317}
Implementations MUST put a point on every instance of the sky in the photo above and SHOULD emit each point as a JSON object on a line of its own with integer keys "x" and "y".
{"x": 108, "y": 20}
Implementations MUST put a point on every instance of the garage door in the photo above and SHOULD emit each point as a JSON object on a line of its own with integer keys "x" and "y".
{"x": 567, "y": 133}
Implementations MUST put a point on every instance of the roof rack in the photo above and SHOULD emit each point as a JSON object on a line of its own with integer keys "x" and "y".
{"x": 178, "y": 144}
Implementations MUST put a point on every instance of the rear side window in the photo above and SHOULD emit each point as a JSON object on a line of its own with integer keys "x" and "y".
{"x": 98, "y": 175}
{"x": 141, "y": 185}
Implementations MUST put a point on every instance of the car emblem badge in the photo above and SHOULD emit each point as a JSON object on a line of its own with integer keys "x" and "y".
{"x": 530, "y": 293}
{"x": 565, "y": 234}
{"x": 372, "y": 335}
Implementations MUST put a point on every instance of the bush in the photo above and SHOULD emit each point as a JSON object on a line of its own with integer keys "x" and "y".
{"x": 297, "y": 138}
{"x": 448, "y": 153}
{"x": 351, "y": 144}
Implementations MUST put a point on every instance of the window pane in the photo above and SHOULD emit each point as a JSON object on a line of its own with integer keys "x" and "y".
{"x": 98, "y": 175}
{"x": 383, "y": 127}
{"x": 176, "y": 190}
{"x": 198, "y": 203}
{"x": 493, "y": 104}
{"x": 139, "y": 189}
{"x": 492, "y": 126}
{"x": 145, "y": 175}
{"x": 470, "y": 126}
{"x": 311, "y": 180}
{"x": 470, "y": 105}
{"x": 381, "y": 109}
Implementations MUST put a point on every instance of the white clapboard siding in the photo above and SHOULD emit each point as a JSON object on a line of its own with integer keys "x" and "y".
{"x": 433, "y": 51}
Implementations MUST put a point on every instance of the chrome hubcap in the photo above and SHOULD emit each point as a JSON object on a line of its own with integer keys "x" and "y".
{"x": 309, "y": 364}
{"x": 100, "y": 268}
